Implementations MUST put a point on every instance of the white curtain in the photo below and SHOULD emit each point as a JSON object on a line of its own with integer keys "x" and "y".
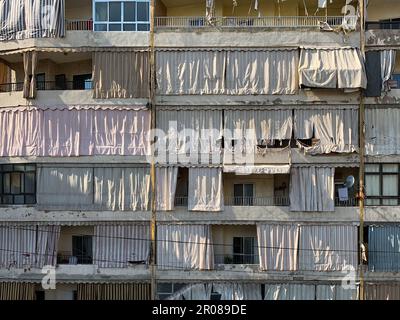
{"x": 336, "y": 129}
{"x": 184, "y": 247}
{"x": 312, "y": 189}
{"x": 382, "y": 134}
{"x": 332, "y": 68}
{"x": 262, "y": 72}
{"x": 251, "y": 127}
{"x": 73, "y": 132}
{"x": 289, "y": 292}
{"x": 123, "y": 189}
{"x": 65, "y": 188}
{"x": 328, "y": 248}
{"x": 336, "y": 292}
{"x": 166, "y": 179}
{"x": 191, "y": 72}
{"x": 278, "y": 247}
{"x": 388, "y": 65}
{"x": 198, "y": 291}
{"x": 28, "y": 246}
{"x": 117, "y": 246}
{"x": 205, "y": 189}
{"x": 21, "y": 19}
{"x": 238, "y": 291}
{"x": 191, "y": 135}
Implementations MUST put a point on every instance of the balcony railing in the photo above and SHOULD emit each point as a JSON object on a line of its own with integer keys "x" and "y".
{"x": 237, "y": 258}
{"x": 79, "y": 25}
{"x": 251, "y": 22}
{"x": 69, "y": 258}
{"x": 48, "y": 85}
{"x": 351, "y": 202}
{"x": 384, "y": 25}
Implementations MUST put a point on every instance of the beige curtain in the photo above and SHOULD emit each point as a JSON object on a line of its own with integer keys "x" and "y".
{"x": 27, "y": 58}
{"x": 32, "y": 89}
{"x": 4, "y": 73}
{"x": 17, "y": 291}
{"x": 113, "y": 291}
{"x": 120, "y": 74}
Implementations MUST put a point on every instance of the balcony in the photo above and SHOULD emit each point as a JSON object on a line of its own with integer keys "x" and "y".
{"x": 78, "y": 25}
{"x": 48, "y": 85}
{"x": 201, "y": 22}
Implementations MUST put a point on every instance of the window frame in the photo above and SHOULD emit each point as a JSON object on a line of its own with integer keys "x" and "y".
{"x": 381, "y": 198}
{"x": 138, "y": 24}
{"x": 243, "y": 257}
{"x": 14, "y": 169}
{"x": 243, "y": 200}
{"x": 82, "y": 258}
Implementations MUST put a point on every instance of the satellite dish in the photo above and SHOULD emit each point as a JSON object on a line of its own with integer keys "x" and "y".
{"x": 349, "y": 182}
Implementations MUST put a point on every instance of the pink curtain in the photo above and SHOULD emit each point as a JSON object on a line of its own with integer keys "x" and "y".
{"x": 73, "y": 132}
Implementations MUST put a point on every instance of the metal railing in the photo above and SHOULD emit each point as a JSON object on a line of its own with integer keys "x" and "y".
{"x": 78, "y": 25}
{"x": 256, "y": 201}
{"x": 351, "y": 202}
{"x": 384, "y": 25}
{"x": 181, "y": 201}
{"x": 251, "y": 22}
{"x": 237, "y": 258}
{"x": 48, "y": 85}
{"x": 69, "y": 258}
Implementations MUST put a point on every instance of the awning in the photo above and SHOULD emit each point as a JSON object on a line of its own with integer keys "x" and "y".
{"x": 258, "y": 169}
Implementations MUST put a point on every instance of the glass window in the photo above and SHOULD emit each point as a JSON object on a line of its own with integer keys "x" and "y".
{"x": 129, "y": 11}
{"x": 115, "y": 11}
{"x": 82, "y": 249}
{"x": 122, "y": 15}
{"x": 244, "y": 250}
{"x": 17, "y": 184}
{"x": 101, "y": 11}
{"x": 243, "y": 194}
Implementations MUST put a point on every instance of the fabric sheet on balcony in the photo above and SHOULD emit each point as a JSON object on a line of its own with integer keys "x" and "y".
{"x": 388, "y": 65}
{"x": 190, "y": 135}
{"x": 382, "y": 131}
{"x": 278, "y": 246}
{"x": 289, "y": 292}
{"x": 28, "y": 245}
{"x": 332, "y": 68}
{"x": 113, "y": 291}
{"x": 382, "y": 291}
{"x": 384, "y": 248}
{"x": 191, "y": 72}
{"x": 328, "y": 248}
{"x": 122, "y": 189}
{"x": 198, "y": 291}
{"x": 166, "y": 180}
{"x": 252, "y": 127}
{"x": 73, "y": 132}
{"x": 257, "y": 169}
{"x": 119, "y": 246}
{"x": 336, "y": 129}
{"x": 65, "y": 188}
{"x": 205, "y": 189}
{"x": 184, "y": 247}
{"x": 77, "y": 188}
{"x": 238, "y": 291}
{"x": 120, "y": 74}
{"x": 262, "y": 72}
{"x": 312, "y": 189}
{"x": 336, "y": 292}
{"x": 21, "y": 19}
{"x": 17, "y": 291}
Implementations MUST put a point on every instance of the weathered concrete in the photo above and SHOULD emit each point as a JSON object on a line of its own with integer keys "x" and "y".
{"x": 382, "y": 38}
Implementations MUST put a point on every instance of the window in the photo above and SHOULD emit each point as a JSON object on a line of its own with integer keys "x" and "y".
{"x": 244, "y": 250}
{"x": 243, "y": 194}
{"x": 124, "y": 15}
{"x": 164, "y": 290}
{"x": 82, "y": 82}
{"x": 382, "y": 184}
{"x": 17, "y": 184}
{"x": 82, "y": 249}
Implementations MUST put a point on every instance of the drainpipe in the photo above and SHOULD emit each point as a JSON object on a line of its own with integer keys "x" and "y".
{"x": 362, "y": 156}
{"x": 153, "y": 248}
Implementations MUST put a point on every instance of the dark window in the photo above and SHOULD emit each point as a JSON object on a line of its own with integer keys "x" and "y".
{"x": 82, "y": 249}
{"x": 143, "y": 11}
{"x": 41, "y": 81}
{"x": 101, "y": 13}
{"x": 243, "y": 194}
{"x": 82, "y": 82}
{"x": 61, "y": 82}
{"x": 18, "y": 184}
{"x": 114, "y": 12}
{"x": 129, "y": 12}
{"x": 244, "y": 250}
{"x": 382, "y": 184}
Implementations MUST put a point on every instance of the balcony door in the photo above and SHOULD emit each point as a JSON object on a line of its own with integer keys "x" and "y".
{"x": 243, "y": 194}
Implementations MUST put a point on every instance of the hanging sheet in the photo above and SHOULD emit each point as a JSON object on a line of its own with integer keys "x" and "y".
{"x": 166, "y": 179}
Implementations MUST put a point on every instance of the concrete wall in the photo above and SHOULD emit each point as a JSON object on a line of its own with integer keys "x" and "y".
{"x": 224, "y": 235}
{"x": 383, "y": 9}
{"x": 78, "y": 10}
{"x": 65, "y": 242}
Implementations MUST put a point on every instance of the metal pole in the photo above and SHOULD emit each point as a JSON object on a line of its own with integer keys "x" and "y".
{"x": 153, "y": 250}
{"x": 362, "y": 157}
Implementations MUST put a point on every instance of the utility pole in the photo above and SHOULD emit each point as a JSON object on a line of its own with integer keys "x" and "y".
{"x": 153, "y": 249}
{"x": 362, "y": 155}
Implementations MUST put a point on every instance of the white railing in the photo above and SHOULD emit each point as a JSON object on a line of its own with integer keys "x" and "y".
{"x": 79, "y": 25}
{"x": 252, "y": 22}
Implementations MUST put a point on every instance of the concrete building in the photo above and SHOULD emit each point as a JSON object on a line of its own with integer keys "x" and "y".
{"x": 287, "y": 195}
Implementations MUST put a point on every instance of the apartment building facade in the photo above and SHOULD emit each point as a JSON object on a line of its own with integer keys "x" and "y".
{"x": 262, "y": 182}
